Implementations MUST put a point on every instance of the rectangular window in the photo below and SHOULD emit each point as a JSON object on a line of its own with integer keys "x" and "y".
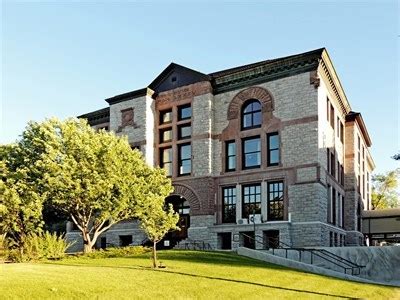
{"x": 185, "y": 159}
{"x": 329, "y": 205}
{"x": 328, "y": 160}
{"x": 251, "y": 153}
{"x": 358, "y": 152}
{"x": 251, "y": 200}
{"x": 342, "y": 176}
{"x": 166, "y": 116}
{"x": 230, "y": 156}
{"x": 229, "y": 206}
{"x": 184, "y": 112}
{"x": 341, "y": 132}
{"x": 333, "y": 164}
{"x": 338, "y": 127}
{"x": 273, "y": 149}
{"x": 332, "y": 114}
{"x": 275, "y": 201}
{"x": 166, "y": 160}
{"x": 328, "y": 106}
{"x": 341, "y": 211}
{"x": 184, "y": 132}
{"x": 165, "y": 135}
{"x": 333, "y": 206}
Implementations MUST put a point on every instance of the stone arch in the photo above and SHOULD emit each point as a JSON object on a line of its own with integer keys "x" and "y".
{"x": 258, "y": 93}
{"x": 186, "y": 192}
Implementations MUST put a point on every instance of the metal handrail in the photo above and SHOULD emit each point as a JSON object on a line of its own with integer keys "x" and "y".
{"x": 321, "y": 253}
{"x": 200, "y": 245}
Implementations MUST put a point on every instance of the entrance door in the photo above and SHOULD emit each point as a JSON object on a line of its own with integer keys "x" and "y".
{"x": 181, "y": 206}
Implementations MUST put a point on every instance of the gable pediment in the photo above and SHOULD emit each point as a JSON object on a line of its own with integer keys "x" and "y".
{"x": 175, "y": 76}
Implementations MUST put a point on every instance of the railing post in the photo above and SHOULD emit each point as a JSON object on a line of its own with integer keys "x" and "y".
{"x": 311, "y": 257}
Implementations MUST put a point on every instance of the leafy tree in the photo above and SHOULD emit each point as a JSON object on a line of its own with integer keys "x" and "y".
{"x": 20, "y": 204}
{"x": 156, "y": 221}
{"x": 396, "y": 156}
{"x": 384, "y": 193}
{"x": 93, "y": 176}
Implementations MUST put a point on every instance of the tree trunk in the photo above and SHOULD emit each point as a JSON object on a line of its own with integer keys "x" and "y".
{"x": 154, "y": 255}
{"x": 87, "y": 248}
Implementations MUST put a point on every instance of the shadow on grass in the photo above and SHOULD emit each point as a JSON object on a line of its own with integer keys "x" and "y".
{"x": 148, "y": 269}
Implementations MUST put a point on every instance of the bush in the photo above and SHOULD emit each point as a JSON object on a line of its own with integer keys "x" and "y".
{"x": 117, "y": 252}
{"x": 39, "y": 246}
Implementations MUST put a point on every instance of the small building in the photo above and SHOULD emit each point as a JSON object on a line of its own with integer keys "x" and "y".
{"x": 382, "y": 227}
{"x": 271, "y": 148}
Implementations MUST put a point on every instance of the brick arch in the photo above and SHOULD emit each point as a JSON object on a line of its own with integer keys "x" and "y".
{"x": 188, "y": 194}
{"x": 259, "y": 93}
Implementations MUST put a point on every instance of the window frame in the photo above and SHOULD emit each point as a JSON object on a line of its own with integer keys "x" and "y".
{"x": 244, "y": 140}
{"x": 255, "y": 203}
{"x": 252, "y": 113}
{"x": 228, "y": 156}
{"x": 270, "y": 215}
{"x": 162, "y": 113}
{"x": 171, "y": 162}
{"x": 269, "y": 150}
{"x": 162, "y": 131}
{"x": 232, "y": 202}
{"x": 180, "y": 160}
{"x": 182, "y": 107}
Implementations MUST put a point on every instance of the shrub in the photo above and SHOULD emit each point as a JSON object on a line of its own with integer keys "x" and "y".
{"x": 39, "y": 246}
{"x": 117, "y": 252}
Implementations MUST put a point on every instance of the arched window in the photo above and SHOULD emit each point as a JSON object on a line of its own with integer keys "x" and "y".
{"x": 251, "y": 114}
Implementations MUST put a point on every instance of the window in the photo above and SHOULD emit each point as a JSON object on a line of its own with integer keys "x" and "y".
{"x": 341, "y": 132}
{"x": 185, "y": 159}
{"x": 166, "y": 160}
{"x": 251, "y": 153}
{"x": 330, "y": 239}
{"x": 251, "y": 203}
{"x": 165, "y": 135}
{"x": 328, "y": 106}
{"x": 333, "y": 164}
{"x": 328, "y": 161}
{"x": 165, "y": 116}
{"x": 275, "y": 201}
{"x": 229, "y": 205}
{"x": 338, "y": 127}
{"x": 230, "y": 157}
{"x": 333, "y": 213}
{"x": 184, "y": 112}
{"x": 273, "y": 149}
{"x": 184, "y": 132}
{"x": 251, "y": 114}
{"x": 329, "y": 204}
{"x": 332, "y": 117}
{"x": 358, "y": 152}
{"x": 341, "y": 211}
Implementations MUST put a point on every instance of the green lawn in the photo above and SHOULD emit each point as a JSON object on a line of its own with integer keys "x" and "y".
{"x": 188, "y": 275}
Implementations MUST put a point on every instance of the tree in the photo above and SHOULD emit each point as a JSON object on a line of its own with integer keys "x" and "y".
{"x": 156, "y": 221}
{"x": 384, "y": 193}
{"x": 396, "y": 156}
{"x": 94, "y": 176}
{"x": 20, "y": 204}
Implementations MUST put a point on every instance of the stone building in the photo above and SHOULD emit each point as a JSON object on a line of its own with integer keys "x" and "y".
{"x": 274, "y": 142}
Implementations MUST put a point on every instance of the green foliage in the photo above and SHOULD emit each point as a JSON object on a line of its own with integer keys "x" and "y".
{"x": 20, "y": 203}
{"x": 384, "y": 190}
{"x": 92, "y": 176}
{"x": 39, "y": 246}
{"x": 114, "y": 252}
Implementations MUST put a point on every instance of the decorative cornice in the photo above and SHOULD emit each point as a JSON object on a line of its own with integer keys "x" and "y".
{"x": 131, "y": 95}
{"x": 97, "y": 117}
{"x": 276, "y": 69}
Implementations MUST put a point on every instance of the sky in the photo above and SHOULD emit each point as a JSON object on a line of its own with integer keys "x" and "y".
{"x": 63, "y": 58}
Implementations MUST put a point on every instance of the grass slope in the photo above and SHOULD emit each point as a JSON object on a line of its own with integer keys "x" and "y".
{"x": 189, "y": 275}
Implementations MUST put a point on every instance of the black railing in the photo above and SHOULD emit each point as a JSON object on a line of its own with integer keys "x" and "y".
{"x": 275, "y": 244}
{"x": 195, "y": 245}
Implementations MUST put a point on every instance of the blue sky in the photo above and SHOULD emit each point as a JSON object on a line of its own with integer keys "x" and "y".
{"x": 64, "y": 58}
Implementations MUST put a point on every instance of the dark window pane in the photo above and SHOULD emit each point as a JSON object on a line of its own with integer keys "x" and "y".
{"x": 165, "y": 116}
{"x": 275, "y": 201}
{"x": 185, "y": 159}
{"x": 274, "y": 141}
{"x": 185, "y": 131}
{"x": 184, "y": 112}
{"x": 229, "y": 205}
{"x": 251, "y": 114}
{"x": 252, "y": 145}
{"x": 230, "y": 156}
{"x": 251, "y": 202}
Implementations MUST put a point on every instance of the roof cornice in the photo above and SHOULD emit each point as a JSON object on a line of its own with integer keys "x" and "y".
{"x": 130, "y": 95}
{"x": 329, "y": 72}
{"x": 267, "y": 71}
{"x": 97, "y": 117}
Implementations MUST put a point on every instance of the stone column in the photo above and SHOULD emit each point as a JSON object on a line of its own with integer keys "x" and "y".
{"x": 264, "y": 201}
{"x": 238, "y": 202}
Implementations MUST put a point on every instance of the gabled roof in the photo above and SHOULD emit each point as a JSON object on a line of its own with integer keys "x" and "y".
{"x": 175, "y": 76}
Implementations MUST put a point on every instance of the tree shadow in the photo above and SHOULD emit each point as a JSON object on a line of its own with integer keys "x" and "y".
{"x": 149, "y": 269}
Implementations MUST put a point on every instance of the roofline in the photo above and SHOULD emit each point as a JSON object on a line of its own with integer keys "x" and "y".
{"x": 130, "y": 95}
{"x": 357, "y": 117}
{"x": 97, "y": 117}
